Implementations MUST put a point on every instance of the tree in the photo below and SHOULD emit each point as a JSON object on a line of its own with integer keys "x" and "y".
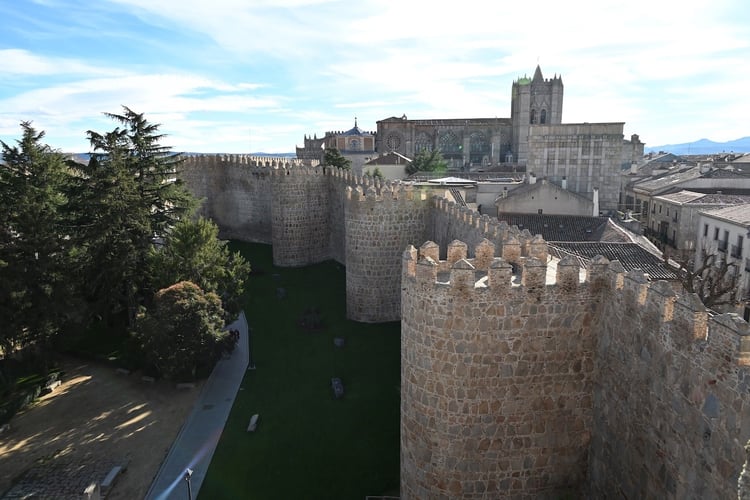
{"x": 427, "y": 161}
{"x": 182, "y": 331}
{"x": 111, "y": 227}
{"x": 192, "y": 251}
{"x": 714, "y": 279}
{"x": 154, "y": 166}
{"x": 129, "y": 196}
{"x": 334, "y": 158}
{"x": 377, "y": 174}
{"x": 34, "y": 248}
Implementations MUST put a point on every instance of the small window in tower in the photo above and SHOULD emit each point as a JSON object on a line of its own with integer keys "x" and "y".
{"x": 543, "y": 117}
{"x": 533, "y": 116}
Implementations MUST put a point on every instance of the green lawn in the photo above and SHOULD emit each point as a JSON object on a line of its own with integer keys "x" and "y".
{"x": 309, "y": 445}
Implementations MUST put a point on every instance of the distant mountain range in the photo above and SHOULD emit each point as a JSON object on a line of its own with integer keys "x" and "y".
{"x": 704, "y": 147}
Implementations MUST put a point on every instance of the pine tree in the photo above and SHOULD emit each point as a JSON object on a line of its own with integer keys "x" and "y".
{"x": 193, "y": 252}
{"x": 130, "y": 196}
{"x": 427, "y": 161}
{"x": 334, "y": 158}
{"x": 34, "y": 243}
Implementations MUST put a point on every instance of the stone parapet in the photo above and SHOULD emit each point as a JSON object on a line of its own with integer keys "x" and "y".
{"x": 673, "y": 394}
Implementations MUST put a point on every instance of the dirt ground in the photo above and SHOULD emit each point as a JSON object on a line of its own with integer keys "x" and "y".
{"x": 98, "y": 414}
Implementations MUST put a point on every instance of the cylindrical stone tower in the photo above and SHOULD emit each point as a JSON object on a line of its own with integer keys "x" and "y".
{"x": 496, "y": 378}
{"x": 378, "y": 227}
{"x": 300, "y": 216}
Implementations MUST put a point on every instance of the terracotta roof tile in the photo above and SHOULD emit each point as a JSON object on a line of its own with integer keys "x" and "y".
{"x": 631, "y": 256}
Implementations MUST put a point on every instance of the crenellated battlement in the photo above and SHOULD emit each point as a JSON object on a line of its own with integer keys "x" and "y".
{"x": 497, "y": 269}
{"x": 342, "y": 132}
{"x": 682, "y": 321}
{"x": 471, "y": 226}
{"x": 367, "y": 191}
{"x": 244, "y": 161}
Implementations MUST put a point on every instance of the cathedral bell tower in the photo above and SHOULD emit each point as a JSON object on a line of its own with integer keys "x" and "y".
{"x": 534, "y": 101}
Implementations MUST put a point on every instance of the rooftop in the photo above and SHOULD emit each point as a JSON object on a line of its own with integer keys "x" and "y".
{"x": 392, "y": 158}
{"x": 630, "y": 255}
{"x": 737, "y": 214}
{"x": 565, "y": 227}
{"x": 673, "y": 177}
{"x": 683, "y": 196}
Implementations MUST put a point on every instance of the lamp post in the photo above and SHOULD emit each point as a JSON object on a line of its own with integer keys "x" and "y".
{"x": 186, "y": 477}
{"x": 250, "y": 347}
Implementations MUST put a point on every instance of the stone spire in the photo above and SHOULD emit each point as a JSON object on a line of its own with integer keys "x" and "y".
{"x": 537, "y": 75}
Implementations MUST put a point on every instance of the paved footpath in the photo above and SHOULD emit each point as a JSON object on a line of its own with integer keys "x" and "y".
{"x": 197, "y": 439}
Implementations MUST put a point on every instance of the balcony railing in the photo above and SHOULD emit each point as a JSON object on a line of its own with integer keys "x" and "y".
{"x": 735, "y": 251}
{"x": 722, "y": 246}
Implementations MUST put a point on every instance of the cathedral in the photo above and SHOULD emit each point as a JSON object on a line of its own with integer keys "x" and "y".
{"x": 585, "y": 157}
{"x": 473, "y": 143}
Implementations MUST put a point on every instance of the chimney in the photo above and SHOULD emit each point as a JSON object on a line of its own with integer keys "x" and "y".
{"x": 596, "y": 202}
{"x": 633, "y": 168}
{"x": 564, "y": 183}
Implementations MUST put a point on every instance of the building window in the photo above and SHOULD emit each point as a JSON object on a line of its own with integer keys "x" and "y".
{"x": 659, "y": 208}
{"x": 736, "y": 250}
{"x": 543, "y": 117}
{"x": 532, "y": 119}
{"x": 705, "y": 230}
{"x": 724, "y": 242}
{"x": 716, "y": 233}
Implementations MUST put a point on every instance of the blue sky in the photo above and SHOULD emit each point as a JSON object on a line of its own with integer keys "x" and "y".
{"x": 257, "y": 75}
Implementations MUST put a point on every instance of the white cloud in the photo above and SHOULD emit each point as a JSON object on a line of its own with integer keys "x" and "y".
{"x": 671, "y": 71}
{"x": 24, "y": 63}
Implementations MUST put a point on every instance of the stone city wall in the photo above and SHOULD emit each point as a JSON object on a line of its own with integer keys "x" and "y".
{"x": 672, "y": 397}
{"x": 236, "y": 192}
{"x": 450, "y": 222}
{"x": 497, "y": 375}
{"x": 612, "y": 387}
{"x": 380, "y": 221}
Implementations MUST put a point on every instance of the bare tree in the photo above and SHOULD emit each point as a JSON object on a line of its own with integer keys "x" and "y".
{"x": 714, "y": 279}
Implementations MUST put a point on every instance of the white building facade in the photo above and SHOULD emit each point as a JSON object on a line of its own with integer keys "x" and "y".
{"x": 725, "y": 232}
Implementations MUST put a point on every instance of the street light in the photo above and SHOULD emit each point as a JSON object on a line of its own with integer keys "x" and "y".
{"x": 186, "y": 477}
